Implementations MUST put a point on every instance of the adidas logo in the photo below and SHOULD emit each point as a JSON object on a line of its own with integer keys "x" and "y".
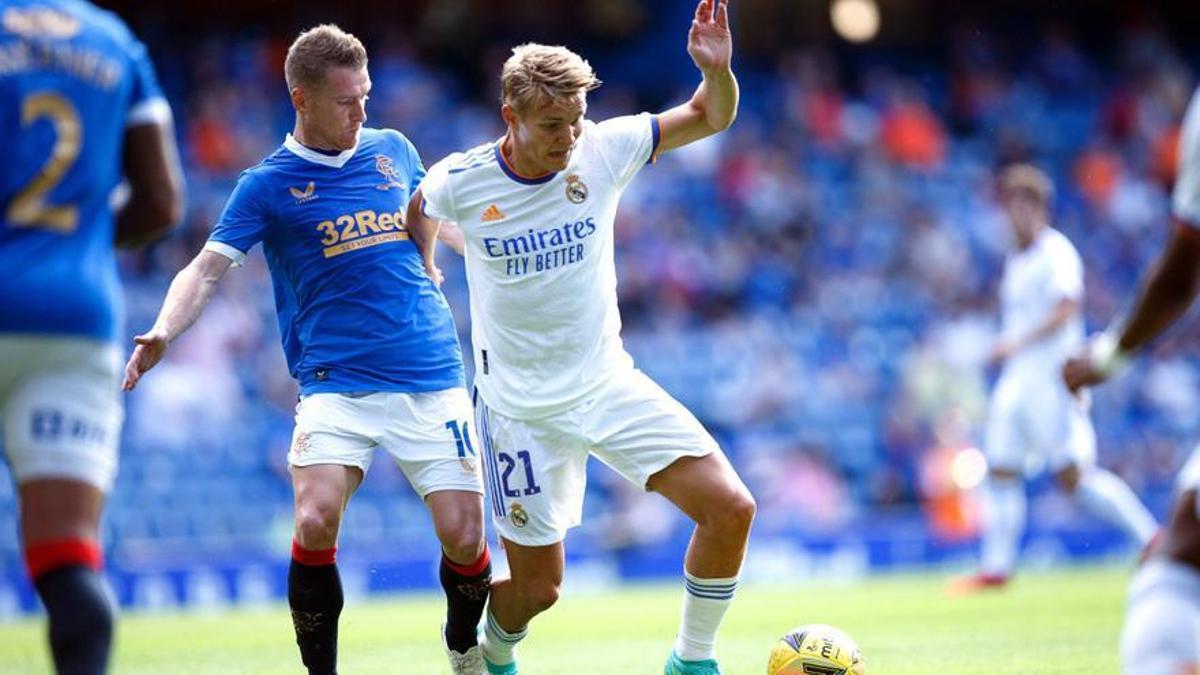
{"x": 492, "y": 214}
{"x": 306, "y": 195}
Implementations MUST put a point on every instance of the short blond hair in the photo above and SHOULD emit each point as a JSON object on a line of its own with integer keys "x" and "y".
{"x": 1029, "y": 180}
{"x": 319, "y": 49}
{"x": 536, "y": 75}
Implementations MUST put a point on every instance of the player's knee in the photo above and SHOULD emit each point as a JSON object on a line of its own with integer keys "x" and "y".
{"x": 742, "y": 509}
{"x": 541, "y": 594}
{"x": 734, "y": 514}
{"x": 463, "y": 546}
{"x": 317, "y": 525}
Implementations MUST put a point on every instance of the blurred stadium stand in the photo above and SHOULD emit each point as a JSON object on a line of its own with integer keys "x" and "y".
{"x": 817, "y": 284}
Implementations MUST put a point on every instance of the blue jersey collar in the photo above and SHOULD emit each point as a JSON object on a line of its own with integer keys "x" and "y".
{"x": 336, "y": 161}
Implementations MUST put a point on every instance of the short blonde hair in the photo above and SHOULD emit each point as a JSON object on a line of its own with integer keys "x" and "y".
{"x": 536, "y": 75}
{"x": 1028, "y": 180}
{"x": 318, "y": 49}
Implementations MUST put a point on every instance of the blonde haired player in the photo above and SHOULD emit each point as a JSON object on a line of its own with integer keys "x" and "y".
{"x": 1162, "y": 621}
{"x": 555, "y": 385}
{"x": 1031, "y": 411}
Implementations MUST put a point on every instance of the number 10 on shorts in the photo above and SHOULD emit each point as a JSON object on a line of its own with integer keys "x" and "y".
{"x": 462, "y": 438}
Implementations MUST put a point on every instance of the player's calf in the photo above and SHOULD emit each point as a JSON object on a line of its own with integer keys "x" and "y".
{"x": 66, "y": 575}
{"x": 315, "y": 598}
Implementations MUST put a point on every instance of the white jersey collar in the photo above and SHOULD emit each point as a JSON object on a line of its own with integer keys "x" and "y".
{"x": 336, "y": 161}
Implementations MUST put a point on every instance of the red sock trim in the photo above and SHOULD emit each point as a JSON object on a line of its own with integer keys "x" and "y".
{"x": 313, "y": 558}
{"x": 47, "y": 556}
{"x": 474, "y": 568}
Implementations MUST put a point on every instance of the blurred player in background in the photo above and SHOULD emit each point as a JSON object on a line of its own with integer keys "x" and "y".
{"x": 79, "y": 107}
{"x": 1162, "y": 622}
{"x": 554, "y": 382}
{"x": 1031, "y": 411}
{"x": 365, "y": 331}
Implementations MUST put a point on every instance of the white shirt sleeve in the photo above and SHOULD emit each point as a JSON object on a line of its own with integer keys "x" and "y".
{"x": 1066, "y": 279}
{"x": 436, "y": 190}
{"x": 1186, "y": 198}
{"x": 627, "y": 144}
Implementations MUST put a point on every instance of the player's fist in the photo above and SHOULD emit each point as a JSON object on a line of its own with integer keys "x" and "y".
{"x": 150, "y": 348}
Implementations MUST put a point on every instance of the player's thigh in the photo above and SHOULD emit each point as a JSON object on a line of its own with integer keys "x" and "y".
{"x": 535, "y": 472}
{"x": 337, "y": 429}
{"x": 431, "y": 437}
{"x": 1064, "y": 432}
{"x": 1161, "y": 635}
{"x": 638, "y": 429}
{"x": 1004, "y": 434}
{"x": 62, "y": 413}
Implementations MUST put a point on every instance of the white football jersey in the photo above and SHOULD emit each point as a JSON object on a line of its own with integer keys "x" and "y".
{"x": 539, "y": 251}
{"x": 1186, "y": 198}
{"x": 1035, "y": 280}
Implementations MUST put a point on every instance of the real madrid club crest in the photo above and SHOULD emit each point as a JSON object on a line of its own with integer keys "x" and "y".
{"x": 384, "y": 165}
{"x": 516, "y": 513}
{"x": 577, "y": 190}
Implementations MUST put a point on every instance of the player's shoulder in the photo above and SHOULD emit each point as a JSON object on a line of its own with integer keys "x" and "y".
{"x": 1058, "y": 245}
{"x": 372, "y": 138}
{"x": 621, "y": 124}
{"x": 98, "y": 23}
{"x": 469, "y": 161}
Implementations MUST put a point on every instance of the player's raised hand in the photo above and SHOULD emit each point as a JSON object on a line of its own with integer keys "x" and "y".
{"x": 710, "y": 44}
{"x": 151, "y": 346}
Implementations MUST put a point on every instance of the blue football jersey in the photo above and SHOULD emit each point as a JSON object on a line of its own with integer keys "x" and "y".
{"x": 72, "y": 79}
{"x": 356, "y": 310}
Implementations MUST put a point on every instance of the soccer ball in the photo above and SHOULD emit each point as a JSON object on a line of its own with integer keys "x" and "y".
{"x": 815, "y": 649}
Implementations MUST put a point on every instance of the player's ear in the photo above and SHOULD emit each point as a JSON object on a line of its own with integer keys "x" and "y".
{"x": 299, "y": 101}
{"x": 509, "y": 115}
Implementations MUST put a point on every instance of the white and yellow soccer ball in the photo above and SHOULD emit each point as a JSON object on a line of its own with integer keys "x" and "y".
{"x": 815, "y": 649}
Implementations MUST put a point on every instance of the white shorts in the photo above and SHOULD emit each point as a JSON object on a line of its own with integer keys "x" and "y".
{"x": 428, "y": 434}
{"x": 1037, "y": 423}
{"x": 537, "y": 469}
{"x": 60, "y": 408}
{"x": 1162, "y": 622}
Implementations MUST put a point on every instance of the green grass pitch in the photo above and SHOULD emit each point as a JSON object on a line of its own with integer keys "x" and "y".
{"x": 1061, "y": 622}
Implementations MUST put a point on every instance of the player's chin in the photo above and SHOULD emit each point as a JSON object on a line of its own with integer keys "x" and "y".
{"x": 557, "y": 161}
{"x": 350, "y": 139}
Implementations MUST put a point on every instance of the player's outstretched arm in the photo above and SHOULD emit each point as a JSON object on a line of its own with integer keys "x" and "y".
{"x": 1167, "y": 294}
{"x": 156, "y": 192}
{"x": 714, "y": 105}
{"x": 187, "y": 297}
{"x": 423, "y": 231}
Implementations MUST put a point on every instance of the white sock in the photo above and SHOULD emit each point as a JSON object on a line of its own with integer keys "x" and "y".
{"x": 1110, "y": 498}
{"x": 704, "y": 606}
{"x": 1003, "y": 524}
{"x": 1162, "y": 621}
{"x": 498, "y": 645}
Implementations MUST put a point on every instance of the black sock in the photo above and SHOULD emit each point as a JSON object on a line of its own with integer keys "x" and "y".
{"x": 81, "y": 619}
{"x": 465, "y": 599}
{"x": 315, "y": 596}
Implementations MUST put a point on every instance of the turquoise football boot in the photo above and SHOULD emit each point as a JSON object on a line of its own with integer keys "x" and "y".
{"x": 677, "y": 666}
{"x": 506, "y": 669}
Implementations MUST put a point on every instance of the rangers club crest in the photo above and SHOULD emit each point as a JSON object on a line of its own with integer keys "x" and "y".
{"x": 384, "y": 165}
{"x": 577, "y": 190}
